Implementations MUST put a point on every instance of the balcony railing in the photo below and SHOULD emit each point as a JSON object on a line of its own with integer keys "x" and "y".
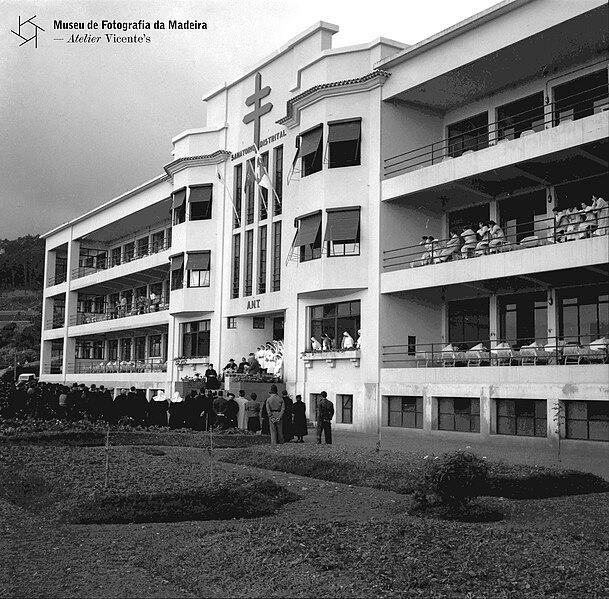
{"x": 508, "y": 128}
{"x": 130, "y": 309}
{"x": 126, "y": 257}
{"x": 562, "y": 228}
{"x": 56, "y": 322}
{"x": 512, "y": 352}
{"x": 99, "y": 366}
{"x": 57, "y": 279}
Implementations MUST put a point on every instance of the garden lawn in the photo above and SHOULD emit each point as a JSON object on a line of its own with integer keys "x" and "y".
{"x": 338, "y": 540}
{"x": 399, "y": 471}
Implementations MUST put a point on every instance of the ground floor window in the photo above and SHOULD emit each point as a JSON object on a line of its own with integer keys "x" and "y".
{"x": 460, "y": 414}
{"x": 345, "y": 403}
{"x": 522, "y": 417}
{"x": 195, "y": 338}
{"x": 405, "y": 412}
{"x": 587, "y": 420}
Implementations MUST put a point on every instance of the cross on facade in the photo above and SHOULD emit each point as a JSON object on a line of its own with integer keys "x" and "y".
{"x": 259, "y": 109}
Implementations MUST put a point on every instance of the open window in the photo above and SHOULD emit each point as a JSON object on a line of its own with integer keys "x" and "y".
{"x": 342, "y": 231}
{"x": 200, "y": 202}
{"x": 177, "y": 271}
{"x": 197, "y": 267}
{"x": 308, "y": 237}
{"x": 344, "y": 141}
{"x": 178, "y": 206}
{"x": 310, "y": 151}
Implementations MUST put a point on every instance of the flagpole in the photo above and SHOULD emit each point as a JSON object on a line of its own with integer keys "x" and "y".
{"x": 229, "y": 195}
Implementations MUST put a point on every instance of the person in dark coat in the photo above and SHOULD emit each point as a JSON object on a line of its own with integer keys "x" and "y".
{"x": 105, "y": 404}
{"x": 288, "y": 435}
{"x": 140, "y": 406}
{"x": 266, "y": 425}
{"x": 132, "y": 403}
{"x": 121, "y": 405}
{"x": 299, "y": 421}
{"x": 242, "y": 368}
{"x": 157, "y": 409}
{"x": 208, "y": 416}
{"x": 231, "y": 412}
{"x": 325, "y": 413}
{"x": 211, "y": 378}
{"x": 192, "y": 411}
{"x": 177, "y": 411}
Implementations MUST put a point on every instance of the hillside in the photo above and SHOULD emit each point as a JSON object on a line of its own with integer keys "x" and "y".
{"x": 21, "y": 282}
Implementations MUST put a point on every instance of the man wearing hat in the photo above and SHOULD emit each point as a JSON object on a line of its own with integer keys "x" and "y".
{"x": 275, "y": 408}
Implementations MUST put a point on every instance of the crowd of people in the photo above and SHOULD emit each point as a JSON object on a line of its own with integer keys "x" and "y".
{"x": 580, "y": 223}
{"x": 278, "y": 416}
{"x": 267, "y": 359}
{"x": 328, "y": 343}
{"x": 569, "y": 224}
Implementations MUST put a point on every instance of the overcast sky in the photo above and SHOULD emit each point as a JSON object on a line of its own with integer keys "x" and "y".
{"x": 83, "y": 123}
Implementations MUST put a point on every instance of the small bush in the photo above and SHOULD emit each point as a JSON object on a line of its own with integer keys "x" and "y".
{"x": 250, "y": 499}
{"x": 451, "y": 480}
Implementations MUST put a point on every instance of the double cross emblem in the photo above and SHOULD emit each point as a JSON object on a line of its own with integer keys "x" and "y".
{"x": 259, "y": 109}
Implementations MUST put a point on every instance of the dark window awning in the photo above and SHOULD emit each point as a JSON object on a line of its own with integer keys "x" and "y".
{"x": 308, "y": 230}
{"x": 200, "y": 194}
{"x": 344, "y": 131}
{"x": 343, "y": 225}
{"x": 198, "y": 261}
{"x": 177, "y": 262}
{"x": 179, "y": 197}
{"x": 310, "y": 142}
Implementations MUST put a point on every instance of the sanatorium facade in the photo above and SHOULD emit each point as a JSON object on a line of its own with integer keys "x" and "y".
{"x": 370, "y": 150}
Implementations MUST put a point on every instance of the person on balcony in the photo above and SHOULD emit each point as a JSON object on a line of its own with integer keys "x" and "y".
{"x": 561, "y": 221}
{"x": 588, "y": 223}
{"x": 154, "y": 302}
{"x": 326, "y": 342}
{"x": 601, "y": 211}
{"x": 315, "y": 345}
{"x": 429, "y": 242}
{"x": 469, "y": 242}
{"x": 358, "y": 343}
{"x": 253, "y": 366}
{"x": 450, "y": 247}
{"x": 347, "y": 342}
{"x": 484, "y": 237}
{"x": 497, "y": 237}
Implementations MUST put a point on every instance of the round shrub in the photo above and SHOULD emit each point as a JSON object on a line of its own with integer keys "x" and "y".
{"x": 452, "y": 480}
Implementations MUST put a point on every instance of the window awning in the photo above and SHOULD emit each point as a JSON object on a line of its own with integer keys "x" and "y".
{"x": 343, "y": 226}
{"x": 178, "y": 198}
{"x": 198, "y": 261}
{"x": 308, "y": 230}
{"x": 200, "y": 194}
{"x": 177, "y": 262}
{"x": 310, "y": 142}
{"x": 347, "y": 131}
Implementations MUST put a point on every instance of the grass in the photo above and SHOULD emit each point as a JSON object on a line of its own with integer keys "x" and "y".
{"x": 336, "y": 541}
{"x": 400, "y": 472}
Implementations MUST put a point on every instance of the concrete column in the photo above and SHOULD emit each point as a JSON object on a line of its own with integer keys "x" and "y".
{"x": 552, "y": 316}
{"x": 485, "y": 412}
{"x": 556, "y": 421}
{"x": 493, "y": 320}
{"x": 430, "y": 412}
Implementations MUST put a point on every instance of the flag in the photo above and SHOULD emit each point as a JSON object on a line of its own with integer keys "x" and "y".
{"x": 262, "y": 176}
{"x": 221, "y": 179}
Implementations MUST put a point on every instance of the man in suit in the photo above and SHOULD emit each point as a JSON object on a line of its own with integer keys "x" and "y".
{"x": 325, "y": 413}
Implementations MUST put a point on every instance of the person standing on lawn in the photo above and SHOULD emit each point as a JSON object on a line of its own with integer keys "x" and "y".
{"x": 299, "y": 423}
{"x": 276, "y": 409}
{"x": 231, "y": 411}
{"x": 288, "y": 435}
{"x": 325, "y": 413}
{"x": 253, "y": 414}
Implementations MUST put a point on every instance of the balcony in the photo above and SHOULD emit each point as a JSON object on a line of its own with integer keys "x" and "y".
{"x": 115, "y": 367}
{"x": 331, "y": 356}
{"x": 551, "y": 351}
{"x": 555, "y": 244}
{"x": 497, "y": 159}
{"x": 137, "y": 308}
{"x": 102, "y": 262}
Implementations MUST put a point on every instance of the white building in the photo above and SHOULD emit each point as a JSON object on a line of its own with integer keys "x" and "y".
{"x": 502, "y": 117}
